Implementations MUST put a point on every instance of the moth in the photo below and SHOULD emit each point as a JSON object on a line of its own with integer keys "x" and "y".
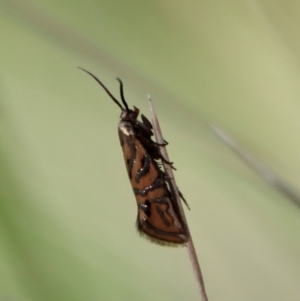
{"x": 158, "y": 215}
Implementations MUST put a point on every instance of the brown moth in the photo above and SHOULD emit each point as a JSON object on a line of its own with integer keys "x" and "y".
{"x": 158, "y": 215}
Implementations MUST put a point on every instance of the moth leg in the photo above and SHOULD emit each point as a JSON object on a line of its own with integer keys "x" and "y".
{"x": 183, "y": 199}
{"x": 166, "y": 178}
{"x": 161, "y": 144}
{"x": 162, "y": 158}
{"x": 160, "y": 164}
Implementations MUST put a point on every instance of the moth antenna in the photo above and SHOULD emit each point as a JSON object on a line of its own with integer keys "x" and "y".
{"x": 106, "y": 90}
{"x": 122, "y": 94}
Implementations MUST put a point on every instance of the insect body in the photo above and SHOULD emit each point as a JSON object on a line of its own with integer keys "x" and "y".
{"x": 158, "y": 216}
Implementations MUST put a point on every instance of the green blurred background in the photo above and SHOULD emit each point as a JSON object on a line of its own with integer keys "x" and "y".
{"x": 67, "y": 211}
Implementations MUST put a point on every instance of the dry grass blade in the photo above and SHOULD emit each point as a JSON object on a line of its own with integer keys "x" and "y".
{"x": 169, "y": 172}
{"x": 260, "y": 168}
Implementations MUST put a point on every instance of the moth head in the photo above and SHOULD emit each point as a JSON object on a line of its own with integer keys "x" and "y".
{"x": 126, "y": 113}
{"x": 129, "y": 115}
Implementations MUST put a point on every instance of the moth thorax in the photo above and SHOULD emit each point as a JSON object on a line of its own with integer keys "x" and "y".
{"x": 126, "y": 128}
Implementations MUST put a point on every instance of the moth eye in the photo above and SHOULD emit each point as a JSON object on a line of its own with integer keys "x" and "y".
{"x": 148, "y": 208}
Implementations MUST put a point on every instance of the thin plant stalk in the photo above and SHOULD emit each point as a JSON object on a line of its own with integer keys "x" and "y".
{"x": 259, "y": 167}
{"x": 168, "y": 169}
